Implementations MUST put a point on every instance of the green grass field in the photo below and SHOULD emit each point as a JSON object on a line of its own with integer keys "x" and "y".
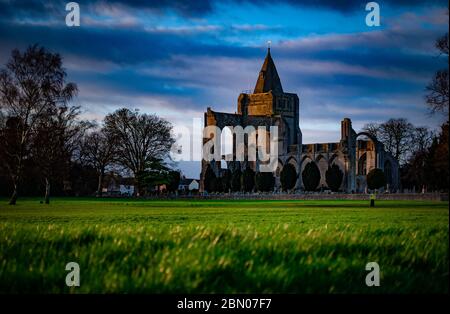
{"x": 129, "y": 246}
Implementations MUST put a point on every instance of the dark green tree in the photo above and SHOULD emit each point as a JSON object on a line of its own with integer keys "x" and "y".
{"x": 248, "y": 179}
{"x": 288, "y": 177}
{"x": 431, "y": 169}
{"x": 216, "y": 184}
{"x": 236, "y": 180}
{"x": 376, "y": 179}
{"x": 156, "y": 173}
{"x": 265, "y": 181}
{"x": 311, "y": 176}
{"x": 209, "y": 179}
{"x": 226, "y": 180}
{"x": 173, "y": 180}
{"x": 334, "y": 177}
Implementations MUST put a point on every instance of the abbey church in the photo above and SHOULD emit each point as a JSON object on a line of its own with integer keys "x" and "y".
{"x": 269, "y": 105}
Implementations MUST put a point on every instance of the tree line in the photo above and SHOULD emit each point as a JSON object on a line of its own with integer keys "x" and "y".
{"x": 423, "y": 154}
{"x": 46, "y": 146}
{"x": 247, "y": 180}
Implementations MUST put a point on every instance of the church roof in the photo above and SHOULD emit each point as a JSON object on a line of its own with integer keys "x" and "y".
{"x": 268, "y": 79}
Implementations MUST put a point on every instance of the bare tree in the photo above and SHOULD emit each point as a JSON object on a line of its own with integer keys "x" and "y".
{"x": 397, "y": 135}
{"x": 10, "y": 139}
{"x": 373, "y": 129}
{"x": 56, "y": 137}
{"x": 142, "y": 140}
{"x": 2, "y": 120}
{"x": 31, "y": 84}
{"x": 442, "y": 44}
{"x": 98, "y": 150}
{"x": 438, "y": 91}
{"x": 422, "y": 139}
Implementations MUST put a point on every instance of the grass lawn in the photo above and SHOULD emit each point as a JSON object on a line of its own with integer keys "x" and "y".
{"x": 132, "y": 246}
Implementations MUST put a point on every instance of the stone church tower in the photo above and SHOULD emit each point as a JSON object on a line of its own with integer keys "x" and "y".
{"x": 269, "y": 99}
{"x": 268, "y": 105}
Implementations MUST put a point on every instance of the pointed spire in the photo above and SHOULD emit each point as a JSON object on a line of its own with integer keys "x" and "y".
{"x": 268, "y": 79}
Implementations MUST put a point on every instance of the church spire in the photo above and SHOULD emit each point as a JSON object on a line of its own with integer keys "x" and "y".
{"x": 268, "y": 79}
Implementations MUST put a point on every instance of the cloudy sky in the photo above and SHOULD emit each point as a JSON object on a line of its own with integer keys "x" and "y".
{"x": 177, "y": 57}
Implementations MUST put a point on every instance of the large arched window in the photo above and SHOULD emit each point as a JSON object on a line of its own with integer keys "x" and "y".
{"x": 362, "y": 165}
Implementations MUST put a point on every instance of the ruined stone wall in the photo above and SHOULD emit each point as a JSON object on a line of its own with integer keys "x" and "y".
{"x": 324, "y": 155}
{"x": 323, "y": 196}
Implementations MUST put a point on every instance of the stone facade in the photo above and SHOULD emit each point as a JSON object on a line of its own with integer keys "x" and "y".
{"x": 355, "y": 154}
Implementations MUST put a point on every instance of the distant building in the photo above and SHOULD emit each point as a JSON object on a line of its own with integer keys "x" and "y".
{"x": 160, "y": 188}
{"x": 118, "y": 186}
{"x": 188, "y": 184}
{"x": 355, "y": 154}
{"x": 126, "y": 189}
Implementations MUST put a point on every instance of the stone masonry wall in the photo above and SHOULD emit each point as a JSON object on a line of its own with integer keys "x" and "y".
{"x": 317, "y": 196}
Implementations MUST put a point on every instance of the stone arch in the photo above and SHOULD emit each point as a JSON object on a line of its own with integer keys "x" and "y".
{"x": 291, "y": 160}
{"x": 338, "y": 159}
{"x": 307, "y": 156}
{"x": 319, "y": 157}
{"x": 314, "y": 164}
{"x": 278, "y": 173}
{"x": 333, "y": 157}
{"x": 371, "y": 148}
{"x": 362, "y": 165}
{"x": 279, "y": 168}
{"x": 370, "y": 136}
{"x": 305, "y": 160}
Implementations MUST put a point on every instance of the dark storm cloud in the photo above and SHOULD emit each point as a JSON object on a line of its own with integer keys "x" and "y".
{"x": 122, "y": 46}
{"x": 137, "y": 83}
{"x": 188, "y": 8}
{"x": 199, "y": 7}
{"x": 191, "y": 8}
{"x": 373, "y": 63}
{"x": 380, "y": 59}
{"x": 31, "y": 8}
{"x": 132, "y": 46}
{"x": 350, "y": 5}
{"x": 135, "y": 49}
